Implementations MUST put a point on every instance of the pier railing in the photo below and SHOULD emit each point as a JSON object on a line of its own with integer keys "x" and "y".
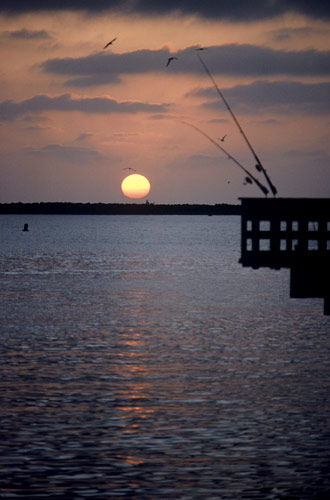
{"x": 292, "y": 233}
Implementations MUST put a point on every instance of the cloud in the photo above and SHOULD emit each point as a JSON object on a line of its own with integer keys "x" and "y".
{"x": 10, "y": 110}
{"x": 251, "y": 60}
{"x": 83, "y": 137}
{"x": 317, "y": 154}
{"x": 98, "y": 69}
{"x": 124, "y": 135}
{"x": 32, "y": 118}
{"x": 269, "y": 121}
{"x": 234, "y": 10}
{"x": 158, "y": 117}
{"x": 219, "y": 120}
{"x": 287, "y": 34}
{"x": 35, "y": 128}
{"x": 275, "y": 97}
{"x": 205, "y": 161}
{"x": 70, "y": 154}
{"x": 25, "y": 34}
{"x": 231, "y": 59}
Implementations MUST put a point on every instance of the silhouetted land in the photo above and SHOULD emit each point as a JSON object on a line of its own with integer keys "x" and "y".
{"x": 118, "y": 209}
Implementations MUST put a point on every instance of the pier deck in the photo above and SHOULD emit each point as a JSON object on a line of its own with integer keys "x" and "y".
{"x": 291, "y": 233}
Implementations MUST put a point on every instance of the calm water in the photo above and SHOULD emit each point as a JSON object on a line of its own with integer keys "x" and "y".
{"x": 140, "y": 360}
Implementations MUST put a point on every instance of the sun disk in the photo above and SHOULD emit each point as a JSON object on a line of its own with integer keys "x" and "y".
{"x": 135, "y": 186}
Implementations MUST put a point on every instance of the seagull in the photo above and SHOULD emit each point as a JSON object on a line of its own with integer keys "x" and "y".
{"x": 170, "y": 59}
{"x": 109, "y": 43}
{"x": 129, "y": 168}
{"x": 201, "y": 48}
{"x": 223, "y": 138}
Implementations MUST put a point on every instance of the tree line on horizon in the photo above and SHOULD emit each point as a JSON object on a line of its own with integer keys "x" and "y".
{"x": 72, "y": 208}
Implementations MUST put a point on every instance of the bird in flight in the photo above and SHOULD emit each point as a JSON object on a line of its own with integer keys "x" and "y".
{"x": 109, "y": 43}
{"x": 223, "y": 138}
{"x": 201, "y": 48}
{"x": 170, "y": 59}
{"x": 129, "y": 168}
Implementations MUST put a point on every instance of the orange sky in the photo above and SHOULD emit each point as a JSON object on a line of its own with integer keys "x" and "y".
{"x": 73, "y": 116}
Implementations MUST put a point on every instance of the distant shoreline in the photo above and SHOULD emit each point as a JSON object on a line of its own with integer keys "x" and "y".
{"x": 67, "y": 208}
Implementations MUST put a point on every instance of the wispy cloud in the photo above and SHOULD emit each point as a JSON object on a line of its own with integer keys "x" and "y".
{"x": 83, "y": 137}
{"x": 205, "y": 161}
{"x": 10, "y": 110}
{"x": 288, "y": 34}
{"x": 72, "y": 154}
{"x": 25, "y": 34}
{"x": 317, "y": 154}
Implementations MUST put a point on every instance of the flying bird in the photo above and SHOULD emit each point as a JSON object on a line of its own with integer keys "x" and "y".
{"x": 129, "y": 168}
{"x": 170, "y": 59}
{"x": 223, "y": 138}
{"x": 201, "y": 48}
{"x": 109, "y": 43}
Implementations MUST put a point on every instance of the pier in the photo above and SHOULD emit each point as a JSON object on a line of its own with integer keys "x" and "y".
{"x": 289, "y": 233}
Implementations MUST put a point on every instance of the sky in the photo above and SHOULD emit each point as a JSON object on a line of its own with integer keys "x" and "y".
{"x": 74, "y": 117}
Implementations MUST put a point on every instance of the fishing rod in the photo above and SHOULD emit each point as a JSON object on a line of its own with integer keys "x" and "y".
{"x": 251, "y": 177}
{"x": 259, "y": 165}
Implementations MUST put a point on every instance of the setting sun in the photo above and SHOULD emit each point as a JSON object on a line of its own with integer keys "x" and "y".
{"x": 135, "y": 186}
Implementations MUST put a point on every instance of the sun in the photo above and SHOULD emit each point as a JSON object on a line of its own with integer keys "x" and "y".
{"x": 135, "y": 186}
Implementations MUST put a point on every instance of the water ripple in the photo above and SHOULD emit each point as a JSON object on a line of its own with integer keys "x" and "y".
{"x": 154, "y": 366}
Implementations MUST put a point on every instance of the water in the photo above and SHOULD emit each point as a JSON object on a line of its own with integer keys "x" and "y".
{"x": 140, "y": 360}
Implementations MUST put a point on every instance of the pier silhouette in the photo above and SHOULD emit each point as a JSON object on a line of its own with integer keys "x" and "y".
{"x": 289, "y": 233}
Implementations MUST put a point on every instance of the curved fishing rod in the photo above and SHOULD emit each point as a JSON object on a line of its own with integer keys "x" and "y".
{"x": 230, "y": 157}
{"x": 259, "y": 165}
